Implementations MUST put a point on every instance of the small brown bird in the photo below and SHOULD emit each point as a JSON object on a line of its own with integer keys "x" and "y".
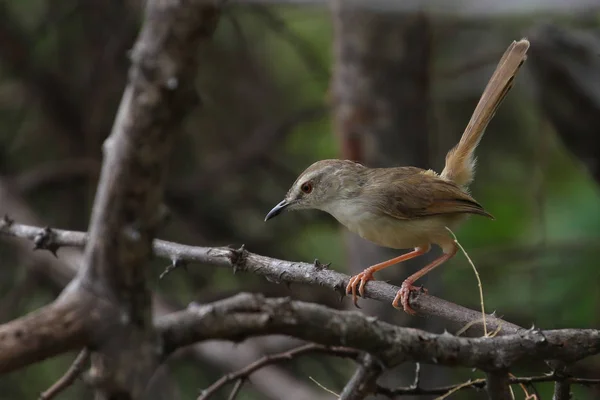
{"x": 405, "y": 207}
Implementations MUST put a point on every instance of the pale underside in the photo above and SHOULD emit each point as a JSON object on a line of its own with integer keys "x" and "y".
{"x": 395, "y": 233}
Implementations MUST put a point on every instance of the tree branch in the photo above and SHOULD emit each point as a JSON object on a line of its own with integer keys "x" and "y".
{"x": 246, "y": 315}
{"x": 272, "y": 382}
{"x": 244, "y": 373}
{"x": 126, "y": 213}
{"x": 277, "y": 271}
{"x": 57, "y": 328}
{"x": 562, "y": 390}
{"x": 364, "y": 380}
{"x": 479, "y": 384}
{"x": 497, "y": 385}
{"x": 69, "y": 377}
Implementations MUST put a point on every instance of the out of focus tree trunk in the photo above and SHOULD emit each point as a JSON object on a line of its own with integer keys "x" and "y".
{"x": 380, "y": 96}
{"x": 566, "y": 69}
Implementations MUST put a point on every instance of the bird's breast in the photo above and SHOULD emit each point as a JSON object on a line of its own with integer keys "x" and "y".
{"x": 391, "y": 232}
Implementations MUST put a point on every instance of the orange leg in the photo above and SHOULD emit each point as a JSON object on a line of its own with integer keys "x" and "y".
{"x": 367, "y": 274}
{"x": 404, "y": 292}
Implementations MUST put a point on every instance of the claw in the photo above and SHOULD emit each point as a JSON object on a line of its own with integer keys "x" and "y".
{"x": 403, "y": 296}
{"x": 359, "y": 280}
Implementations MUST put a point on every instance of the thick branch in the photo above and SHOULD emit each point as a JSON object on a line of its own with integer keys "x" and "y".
{"x": 276, "y": 270}
{"x": 57, "y": 328}
{"x": 126, "y": 212}
{"x": 246, "y": 315}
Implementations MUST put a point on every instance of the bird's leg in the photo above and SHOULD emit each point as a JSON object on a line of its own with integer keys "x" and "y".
{"x": 403, "y": 294}
{"x": 367, "y": 274}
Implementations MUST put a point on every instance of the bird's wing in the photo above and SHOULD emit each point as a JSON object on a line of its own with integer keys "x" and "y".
{"x": 414, "y": 193}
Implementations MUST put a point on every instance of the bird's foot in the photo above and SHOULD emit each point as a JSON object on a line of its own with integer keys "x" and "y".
{"x": 403, "y": 296}
{"x": 359, "y": 280}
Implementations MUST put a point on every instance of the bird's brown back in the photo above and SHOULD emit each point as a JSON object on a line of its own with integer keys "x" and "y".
{"x": 410, "y": 193}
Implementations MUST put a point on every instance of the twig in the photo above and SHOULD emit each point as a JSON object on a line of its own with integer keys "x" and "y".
{"x": 480, "y": 384}
{"x": 364, "y": 380}
{"x": 69, "y": 377}
{"x": 236, "y": 389}
{"x": 525, "y": 391}
{"x": 57, "y": 172}
{"x": 299, "y": 44}
{"x": 417, "y": 379}
{"x": 319, "y": 384}
{"x": 460, "y": 386}
{"x": 476, "y": 276}
{"x": 243, "y": 373}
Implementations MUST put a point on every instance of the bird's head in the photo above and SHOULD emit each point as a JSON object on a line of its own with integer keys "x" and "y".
{"x": 323, "y": 183}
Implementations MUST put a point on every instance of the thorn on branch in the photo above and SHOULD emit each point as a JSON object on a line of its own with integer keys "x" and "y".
{"x": 340, "y": 288}
{"x": 6, "y": 221}
{"x": 238, "y": 258}
{"x": 46, "y": 240}
{"x": 175, "y": 263}
{"x": 320, "y": 266}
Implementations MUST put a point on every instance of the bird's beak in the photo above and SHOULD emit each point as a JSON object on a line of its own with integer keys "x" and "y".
{"x": 277, "y": 210}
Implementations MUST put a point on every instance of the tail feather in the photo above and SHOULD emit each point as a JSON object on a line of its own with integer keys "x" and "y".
{"x": 460, "y": 161}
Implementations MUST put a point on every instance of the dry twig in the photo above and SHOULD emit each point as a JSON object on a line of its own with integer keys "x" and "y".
{"x": 241, "y": 375}
{"x": 69, "y": 377}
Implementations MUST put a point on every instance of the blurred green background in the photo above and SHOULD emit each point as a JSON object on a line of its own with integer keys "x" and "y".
{"x": 275, "y": 83}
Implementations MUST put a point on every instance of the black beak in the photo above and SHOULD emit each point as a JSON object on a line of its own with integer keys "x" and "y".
{"x": 277, "y": 210}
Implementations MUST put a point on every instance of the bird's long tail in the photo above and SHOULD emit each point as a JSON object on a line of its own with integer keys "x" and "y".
{"x": 460, "y": 161}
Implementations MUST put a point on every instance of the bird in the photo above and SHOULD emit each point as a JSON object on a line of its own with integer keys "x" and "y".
{"x": 406, "y": 207}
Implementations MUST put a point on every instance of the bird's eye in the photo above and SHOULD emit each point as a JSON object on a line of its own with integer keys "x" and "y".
{"x": 306, "y": 187}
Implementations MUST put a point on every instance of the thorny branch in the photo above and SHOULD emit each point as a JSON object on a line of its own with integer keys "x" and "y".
{"x": 277, "y": 271}
{"x": 246, "y": 315}
{"x": 196, "y": 324}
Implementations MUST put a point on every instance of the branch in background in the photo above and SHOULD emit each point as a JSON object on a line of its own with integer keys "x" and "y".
{"x": 62, "y": 111}
{"x": 364, "y": 381}
{"x": 303, "y": 48}
{"x": 563, "y": 83}
{"x": 256, "y": 146}
{"x": 20, "y": 290}
{"x": 57, "y": 172}
{"x": 242, "y": 375}
{"x": 276, "y": 271}
{"x": 69, "y": 377}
